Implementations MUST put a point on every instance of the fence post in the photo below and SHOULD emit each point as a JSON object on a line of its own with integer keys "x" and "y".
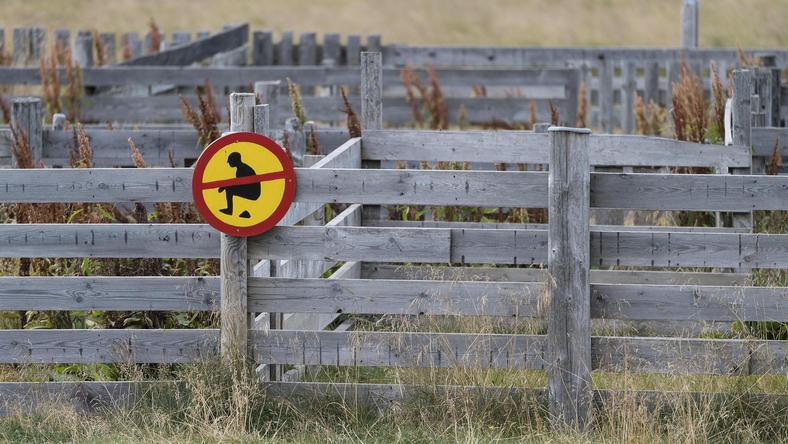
{"x": 689, "y": 24}
{"x": 741, "y": 123}
{"x": 285, "y": 49}
{"x": 372, "y": 116}
{"x": 569, "y": 319}
{"x": 26, "y": 117}
{"x": 234, "y": 266}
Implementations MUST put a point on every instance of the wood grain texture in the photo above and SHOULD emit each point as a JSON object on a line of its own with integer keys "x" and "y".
{"x": 568, "y": 262}
{"x": 371, "y": 90}
{"x": 233, "y": 308}
{"x": 689, "y": 302}
{"x": 687, "y": 356}
{"x": 633, "y": 354}
{"x": 529, "y": 147}
{"x": 689, "y": 192}
{"x": 96, "y": 185}
{"x": 109, "y": 240}
{"x": 399, "y": 349}
{"x": 423, "y": 187}
{"x": 427, "y": 272}
{"x": 121, "y": 346}
{"x": 109, "y": 293}
{"x": 375, "y": 296}
{"x": 352, "y": 244}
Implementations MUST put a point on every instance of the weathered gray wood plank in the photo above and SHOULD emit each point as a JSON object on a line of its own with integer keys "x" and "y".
{"x": 352, "y": 244}
{"x": 196, "y": 51}
{"x": 678, "y": 356}
{"x": 426, "y": 272}
{"x": 375, "y": 296}
{"x": 122, "y": 346}
{"x": 529, "y": 147}
{"x": 399, "y": 349}
{"x": 681, "y": 303}
{"x": 639, "y": 355}
{"x": 108, "y": 240}
{"x": 689, "y": 192}
{"x": 569, "y": 292}
{"x": 109, "y": 293}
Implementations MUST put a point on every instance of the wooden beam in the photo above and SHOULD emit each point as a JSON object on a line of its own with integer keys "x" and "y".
{"x": 568, "y": 261}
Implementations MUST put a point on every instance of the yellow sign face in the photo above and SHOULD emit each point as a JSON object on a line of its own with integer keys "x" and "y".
{"x": 243, "y": 182}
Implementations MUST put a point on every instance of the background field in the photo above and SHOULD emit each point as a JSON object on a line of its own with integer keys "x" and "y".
{"x": 723, "y": 23}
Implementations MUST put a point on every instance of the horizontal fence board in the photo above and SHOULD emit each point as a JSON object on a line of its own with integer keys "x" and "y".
{"x": 398, "y": 349}
{"x": 608, "y": 248}
{"x": 689, "y": 192}
{"x": 529, "y": 147}
{"x": 121, "y": 346}
{"x": 96, "y": 397}
{"x": 188, "y": 53}
{"x": 111, "y": 147}
{"x": 109, "y": 240}
{"x": 85, "y": 397}
{"x": 96, "y": 185}
{"x": 352, "y": 244}
{"x": 676, "y": 250}
{"x": 417, "y": 187}
{"x": 315, "y": 185}
{"x": 689, "y": 302}
{"x": 384, "y": 395}
{"x": 429, "y": 272}
{"x": 423, "y": 187}
{"x": 765, "y": 139}
{"x": 381, "y": 244}
{"x": 678, "y": 355}
{"x": 167, "y": 109}
{"x": 445, "y": 55}
{"x": 646, "y": 355}
{"x": 374, "y": 296}
{"x": 109, "y": 293}
{"x": 521, "y": 226}
{"x": 302, "y": 75}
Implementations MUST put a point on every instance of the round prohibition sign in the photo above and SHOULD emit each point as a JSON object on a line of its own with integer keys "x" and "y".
{"x": 243, "y": 184}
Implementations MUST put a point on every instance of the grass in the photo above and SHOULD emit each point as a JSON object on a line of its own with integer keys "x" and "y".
{"x": 723, "y": 23}
{"x": 213, "y": 404}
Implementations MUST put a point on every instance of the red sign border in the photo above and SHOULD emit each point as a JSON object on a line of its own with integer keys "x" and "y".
{"x": 281, "y": 209}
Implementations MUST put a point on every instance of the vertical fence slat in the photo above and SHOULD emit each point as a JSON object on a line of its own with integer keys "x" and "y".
{"x": 606, "y": 96}
{"x": 332, "y": 50}
{"x": 26, "y": 117}
{"x": 285, "y": 49}
{"x": 262, "y": 48}
{"x": 372, "y": 115}
{"x": 307, "y": 49}
{"x": 741, "y": 118}
{"x": 651, "y": 86}
{"x": 83, "y": 49}
{"x": 689, "y": 24}
{"x": 569, "y": 317}
{"x": 628, "y": 98}
{"x": 353, "y": 50}
{"x": 233, "y": 255}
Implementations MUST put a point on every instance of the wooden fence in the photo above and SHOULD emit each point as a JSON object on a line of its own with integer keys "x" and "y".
{"x": 389, "y": 269}
{"x": 559, "y": 86}
{"x": 612, "y": 76}
{"x": 339, "y": 178}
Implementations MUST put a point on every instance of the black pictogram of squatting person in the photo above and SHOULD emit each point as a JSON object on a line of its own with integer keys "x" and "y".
{"x": 248, "y": 191}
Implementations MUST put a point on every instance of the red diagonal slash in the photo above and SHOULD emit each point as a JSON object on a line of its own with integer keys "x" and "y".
{"x": 246, "y": 180}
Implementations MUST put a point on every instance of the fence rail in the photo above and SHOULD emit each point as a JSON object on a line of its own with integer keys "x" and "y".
{"x": 293, "y": 258}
